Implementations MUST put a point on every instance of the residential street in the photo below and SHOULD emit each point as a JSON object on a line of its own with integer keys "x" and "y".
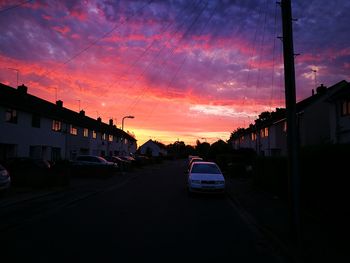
{"x": 145, "y": 215}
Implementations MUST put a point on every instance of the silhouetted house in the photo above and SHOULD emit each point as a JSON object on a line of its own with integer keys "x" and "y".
{"x": 33, "y": 127}
{"x": 340, "y": 114}
{"x": 153, "y": 148}
{"x": 322, "y": 118}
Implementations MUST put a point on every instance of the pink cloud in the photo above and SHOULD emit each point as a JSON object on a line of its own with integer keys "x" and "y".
{"x": 61, "y": 29}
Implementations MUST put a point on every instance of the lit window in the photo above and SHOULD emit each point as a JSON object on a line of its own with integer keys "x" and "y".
{"x": 11, "y": 116}
{"x": 110, "y": 138}
{"x": 264, "y": 132}
{"x": 86, "y": 132}
{"x": 56, "y": 125}
{"x": 253, "y": 136}
{"x": 345, "y": 109}
{"x": 103, "y": 136}
{"x": 73, "y": 130}
{"x": 241, "y": 139}
{"x": 94, "y": 135}
{"x": 285, "y": 126}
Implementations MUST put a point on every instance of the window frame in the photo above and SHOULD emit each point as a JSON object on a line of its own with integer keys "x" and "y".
{"x": 345, "y": 107}
{"x": 73, "y": 130}
{"x": 11, "y": 116}
{"x": 56, "y": 125}
{"x": 36, "y": 120}
{"x": 85, "y": 132}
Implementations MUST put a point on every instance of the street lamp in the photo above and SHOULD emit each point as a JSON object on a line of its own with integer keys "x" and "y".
{"x": 126, "y": 117}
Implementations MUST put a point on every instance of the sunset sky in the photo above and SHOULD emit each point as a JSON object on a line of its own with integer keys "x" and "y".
{"x": 185, "y": 69}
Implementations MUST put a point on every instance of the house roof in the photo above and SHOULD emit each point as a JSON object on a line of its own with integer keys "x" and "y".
{"x": 340, "y": 89}
{"x": 335, "y": 89}
{"x": 19, "y": 99}
{"x": 159, "y": 144}
{"x": 342, "y": 93}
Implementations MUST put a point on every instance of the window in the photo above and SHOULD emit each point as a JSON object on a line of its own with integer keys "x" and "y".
{"x": 345, "y": 108}
{"x": 36, "y": 120}
{"x": 264, "y": 132}
{"x": 94, "y": 135}
{"x": 86, "y": 132}
{"x": 11, "y": 116}
{"x": 73, "y": 130}
{"x": 110, "y": 138}
{"x": 56, "y": 125}
{"x": 241, "y": 139}
{"x": 103, "y": 136}
{"x": 285, "y": 126}
{"x": 253, "y": 136}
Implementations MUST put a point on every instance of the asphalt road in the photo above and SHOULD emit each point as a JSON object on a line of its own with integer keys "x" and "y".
{"x": 146, "y": 218}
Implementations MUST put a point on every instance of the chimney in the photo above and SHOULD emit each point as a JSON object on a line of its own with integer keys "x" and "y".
{"x": 22, "y": 89}
{"x": 99, "y": 119}
{"x": 59, "y": 103}
{"x": 82, "y": 113}
{"x": 111, "y": 122}
{"x": 321, "y": 89}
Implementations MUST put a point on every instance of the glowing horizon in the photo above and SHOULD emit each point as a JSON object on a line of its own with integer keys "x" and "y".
{"x": 186, "y": 70}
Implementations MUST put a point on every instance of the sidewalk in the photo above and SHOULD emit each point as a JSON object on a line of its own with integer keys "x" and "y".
{"x": 21, "y": 194}
{"x": 271, "y": 217}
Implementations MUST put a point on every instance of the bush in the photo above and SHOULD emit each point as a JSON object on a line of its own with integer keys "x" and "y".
{"x": 270, "y": 174}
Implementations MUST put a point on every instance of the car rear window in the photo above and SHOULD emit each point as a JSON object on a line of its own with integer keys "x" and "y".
{"x": 205, "y": 168}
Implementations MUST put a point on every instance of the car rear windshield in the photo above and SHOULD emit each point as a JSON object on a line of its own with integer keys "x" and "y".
{"x": 205, "y": 168}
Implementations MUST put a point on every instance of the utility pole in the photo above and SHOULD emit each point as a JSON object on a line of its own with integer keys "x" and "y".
{"x": 292, "y": 127}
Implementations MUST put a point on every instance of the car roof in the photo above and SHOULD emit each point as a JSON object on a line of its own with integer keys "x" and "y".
{"x": 205, "y": 162}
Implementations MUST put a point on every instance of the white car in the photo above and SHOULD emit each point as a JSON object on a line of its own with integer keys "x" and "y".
{"x": 205, "y": 177}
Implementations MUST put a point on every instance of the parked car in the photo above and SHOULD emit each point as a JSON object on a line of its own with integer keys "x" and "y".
{"x": 129, "y": 159}
{"x": 205, "y": 177}
{"x": 5, "y": 179}
{"x": 141, "y": 160}
{"x": 192, "y": 160}
{"x": 26, "y": 171}
{"x": 123, "y": 165}
{"x": 91, "y": 165}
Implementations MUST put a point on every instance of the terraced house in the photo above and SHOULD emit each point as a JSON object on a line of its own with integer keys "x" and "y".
{"x": 323, "y": 118}
{"x": 33, "y": 127}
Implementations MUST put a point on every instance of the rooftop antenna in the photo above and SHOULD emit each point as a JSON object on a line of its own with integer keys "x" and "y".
{"x": 315, "y": 74}
{"x": 17, "y": 70}
{"x": 79, "y": 104}
{"x": 55, "y": 94}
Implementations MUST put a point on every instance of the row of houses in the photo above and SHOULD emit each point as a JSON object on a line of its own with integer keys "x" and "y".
{"x": 322, "y": 118}
{"x": 33, "y": 127}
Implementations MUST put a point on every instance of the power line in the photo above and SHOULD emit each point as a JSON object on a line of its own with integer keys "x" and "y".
{"x": 180, "y": 67}
{"x": 261, "y": 49}
{"x": 144, "y": 52}
{"x": 93, "y": 43}
{"x": 273, "y": 56}
{"x": 14, "y": 6}
{"x": 152, "y": 62}
{"x": 172, "y": 50}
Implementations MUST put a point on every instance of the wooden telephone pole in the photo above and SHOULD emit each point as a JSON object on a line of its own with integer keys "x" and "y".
{"x": 292, "y": 127}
